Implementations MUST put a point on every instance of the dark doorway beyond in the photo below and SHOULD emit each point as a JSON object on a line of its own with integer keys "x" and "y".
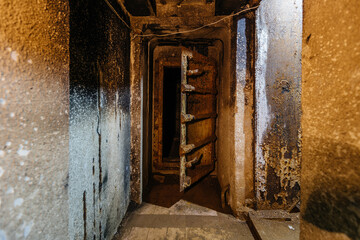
{"x": 163, "y": 190}
{"x": 171, "y": 113}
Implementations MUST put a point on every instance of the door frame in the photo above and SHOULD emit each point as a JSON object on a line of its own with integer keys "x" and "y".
{"x": 141, "y": 87}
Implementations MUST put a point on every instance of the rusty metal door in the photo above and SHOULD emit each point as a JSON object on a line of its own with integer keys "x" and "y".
{"x": 198, "y": 117}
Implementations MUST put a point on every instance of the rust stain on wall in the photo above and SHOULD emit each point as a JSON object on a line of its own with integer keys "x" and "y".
{"x": 278, "y": 104}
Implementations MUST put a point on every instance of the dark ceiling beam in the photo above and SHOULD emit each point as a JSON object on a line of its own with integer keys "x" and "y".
{"x": 222, "y": 7}
{"x": 140, "y": 7}
{"x": 253, "y": 3}
{"x": 226, "y": 7}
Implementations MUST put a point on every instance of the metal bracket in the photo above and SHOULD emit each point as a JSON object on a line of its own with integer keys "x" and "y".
{"x": 194, "y": 161}
{"x": 187, "y": 148}
{"x": 187, "y": 88}
{"x": 187, "y": 118}
{"x": 195, "y": 72}
{"x": 187, "y": 182}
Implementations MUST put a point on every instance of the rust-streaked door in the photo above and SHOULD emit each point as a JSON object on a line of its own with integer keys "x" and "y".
{"x": 198, "y": 117}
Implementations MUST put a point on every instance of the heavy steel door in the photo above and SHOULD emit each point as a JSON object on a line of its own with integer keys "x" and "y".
{"x": 198, "y": 117}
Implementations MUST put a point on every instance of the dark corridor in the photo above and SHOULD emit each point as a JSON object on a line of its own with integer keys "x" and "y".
{"x": 171, "y": 113}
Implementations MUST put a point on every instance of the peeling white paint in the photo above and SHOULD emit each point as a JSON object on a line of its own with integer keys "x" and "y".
{"x": 41, "y": 178}
{"x": 276, "y": 20}
{"x": 1, "y": 171}
{"x": 2, "y": 154}
{"x": 10, "y": 190}
{"x": 2, "y": 101}
{"x": 18, "y": 202}
{"x": 2, "y": 235}
{"x": 27, "y": 229}
{"x": 14, "y": 56}
{"x": 22, "y": 152}
{"x": 262, "y": 109}
{"x": 12, "y": 115}
{"x": 263, "y": 117}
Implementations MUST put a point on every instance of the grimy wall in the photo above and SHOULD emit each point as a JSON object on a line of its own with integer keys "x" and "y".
{"x": 65, "y": 124}
{"x": 34, "y": 113}
{"x": 278, "y": 103}
{"x": 99, "y": 162}
{"x": 330, "y": 179}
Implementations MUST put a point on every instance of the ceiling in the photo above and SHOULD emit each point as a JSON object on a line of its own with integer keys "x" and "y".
{"x": 148, "y": 7}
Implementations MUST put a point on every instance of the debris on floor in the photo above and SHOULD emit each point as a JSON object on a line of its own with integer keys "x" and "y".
{"x": 184, "y": 220}
{"x": 165, "y": 192}
{"x": 275, "y": 224}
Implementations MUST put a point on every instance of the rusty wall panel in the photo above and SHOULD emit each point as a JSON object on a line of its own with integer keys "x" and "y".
{"x": 278, "y": 104}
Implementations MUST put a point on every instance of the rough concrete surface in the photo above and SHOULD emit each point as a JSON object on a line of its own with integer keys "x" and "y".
{"x": 244, "y": 112}
{"x": 276, "y": 224}
{"x": 99, "y": 171}
{"x": 189, "y": 8}
{"x": 278, "y": 103}
{"x": 183, "y": 220}
{"x": 330, "y": 176}
{"x": 34, "y": 113}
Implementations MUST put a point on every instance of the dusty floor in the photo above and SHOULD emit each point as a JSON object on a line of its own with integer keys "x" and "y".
{"x": 165, "y": 192}
{"x": 185, "y": 220}
{"x": 197, "y": 214}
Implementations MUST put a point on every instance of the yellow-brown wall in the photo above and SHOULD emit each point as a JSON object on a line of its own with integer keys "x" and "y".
{"x": 34, "y": 113}
{"x": 330, "y": 176}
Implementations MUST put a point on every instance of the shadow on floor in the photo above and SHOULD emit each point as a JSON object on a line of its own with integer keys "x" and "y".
{"x": 164, "y": 191}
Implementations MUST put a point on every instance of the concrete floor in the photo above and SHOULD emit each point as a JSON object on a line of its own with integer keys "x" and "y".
{"x": 185, "y": 220}
{"x": 165, "y": 193}
{"x": 275, "y": 224}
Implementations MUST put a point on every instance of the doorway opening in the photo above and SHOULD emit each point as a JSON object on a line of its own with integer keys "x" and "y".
{"x": 171, "y": 114}
{"x": 184, "y": 115}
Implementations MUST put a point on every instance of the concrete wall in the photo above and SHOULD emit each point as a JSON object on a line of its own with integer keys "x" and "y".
{"x": 34, "y": 113}
{"x": 244, "y": 112}
{"x": 230, "y": 121}
{"x": 63, "y": 178}
{"x": 99, "y": 170}
{"x": 278, "y": 111}
{"x": 330, "y": 175}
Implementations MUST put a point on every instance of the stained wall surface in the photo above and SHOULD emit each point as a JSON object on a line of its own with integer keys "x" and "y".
{"x": 330, "y": 175}
{"x": 99, "y": 164}
{"x": 278, "y": 103}
{"x": 34, "y": 113}
{"x": 244, "y": 112}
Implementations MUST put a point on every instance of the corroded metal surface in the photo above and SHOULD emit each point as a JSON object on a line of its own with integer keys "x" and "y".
{"x": 184, "y": 180}
{"x": 197, "y": 138}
